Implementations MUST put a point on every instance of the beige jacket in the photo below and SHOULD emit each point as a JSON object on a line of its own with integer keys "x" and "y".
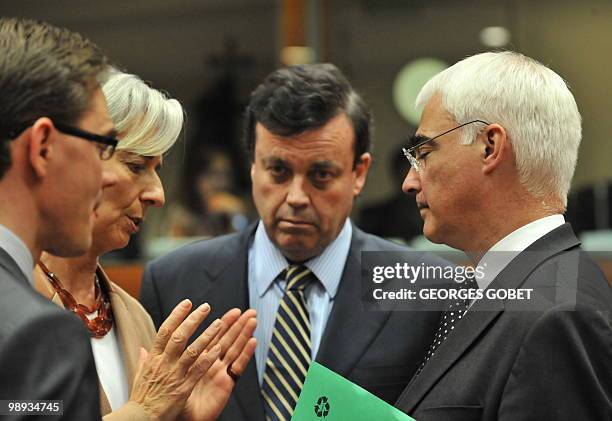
{"x": 134, "y": 329}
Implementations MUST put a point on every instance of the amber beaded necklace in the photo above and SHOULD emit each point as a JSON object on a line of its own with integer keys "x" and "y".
{"x": 99, "y": 325}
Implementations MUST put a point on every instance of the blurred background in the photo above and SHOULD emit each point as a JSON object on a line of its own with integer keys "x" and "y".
{"x": 210, "y": 54}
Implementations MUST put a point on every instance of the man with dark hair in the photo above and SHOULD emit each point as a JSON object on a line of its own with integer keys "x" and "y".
{"x": 308, "y": 134}
{"x": 275, "y": 104}
{"x": 54, "y": 128}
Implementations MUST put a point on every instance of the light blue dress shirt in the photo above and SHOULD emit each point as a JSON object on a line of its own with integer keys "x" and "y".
{"x": 17, "y": 249}
{"x": 266, "y": 288}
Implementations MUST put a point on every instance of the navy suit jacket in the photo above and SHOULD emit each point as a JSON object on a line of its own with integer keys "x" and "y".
{"x": 379, "y": 350}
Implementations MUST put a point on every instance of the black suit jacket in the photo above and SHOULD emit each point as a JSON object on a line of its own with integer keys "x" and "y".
{"x": 553, "y": 362}
{"x": 377, "y": 350}
{"x": 45, "y": 351}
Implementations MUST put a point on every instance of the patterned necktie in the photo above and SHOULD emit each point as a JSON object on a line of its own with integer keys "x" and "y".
{"x": 450, "y": 318}
{"x": 289, "y": 353}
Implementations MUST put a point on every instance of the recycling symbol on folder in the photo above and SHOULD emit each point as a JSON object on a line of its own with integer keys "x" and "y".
{"x": 321, "y": 408}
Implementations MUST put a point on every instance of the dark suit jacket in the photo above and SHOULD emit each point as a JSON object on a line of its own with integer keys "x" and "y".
{"x": 377, "y": 350}
{"x": 551, "y": 363}
{"x": 44, "y": 351}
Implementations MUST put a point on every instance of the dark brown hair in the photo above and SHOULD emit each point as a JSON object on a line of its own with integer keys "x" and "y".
{"x": 45, "y": 71}
{"x": 295, "y": 99}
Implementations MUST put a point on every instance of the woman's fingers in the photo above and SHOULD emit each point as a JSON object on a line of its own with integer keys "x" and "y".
{"x": 239, "y": 364}
{"x": 228, "y": 320}
{"x": 233, "y": 333}
{"x": 169, "y": 326}
{"x": 236, "y": 347}
{"x": 202, "y": 342}
{"x": 168, "y": 374}
{"x": 229, "y": 338}
{"x": 202, "y": 364}
{"x": 178, "y": 339}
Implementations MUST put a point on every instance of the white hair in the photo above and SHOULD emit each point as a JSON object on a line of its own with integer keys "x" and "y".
{"x": 148, "y": 122}
{"x": 531, "y": 102}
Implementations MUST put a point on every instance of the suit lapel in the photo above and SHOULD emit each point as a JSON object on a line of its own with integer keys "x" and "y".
{"x": 219, "y": 285}
{"x": 483, "y": 313}
{"x": 223, "y": 290}
{"x": 465, "y": 333}
{"x": 247, "y": 392}
{"x": 341, "y": 345}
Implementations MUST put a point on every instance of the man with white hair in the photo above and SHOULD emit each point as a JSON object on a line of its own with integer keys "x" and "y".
{"x": 492, "y": 163}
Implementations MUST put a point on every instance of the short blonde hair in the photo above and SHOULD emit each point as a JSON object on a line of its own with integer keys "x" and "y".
{"x": 147, "y": 120}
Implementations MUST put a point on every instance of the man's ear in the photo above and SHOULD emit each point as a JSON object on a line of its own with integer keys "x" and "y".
{"x": 494, "y": 143}
{"x": 361, "y": 172}
{"x": 41, "y": 146}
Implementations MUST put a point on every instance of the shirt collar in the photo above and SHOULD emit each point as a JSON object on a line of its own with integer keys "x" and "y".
{"x": 327, "y": 267}
{"x": 506, "y": 249}
{"x": 17, "y": 249}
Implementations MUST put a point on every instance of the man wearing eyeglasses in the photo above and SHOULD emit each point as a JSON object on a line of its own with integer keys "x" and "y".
{"x": 54, "y": 131}
{"x": 492, "y": 164}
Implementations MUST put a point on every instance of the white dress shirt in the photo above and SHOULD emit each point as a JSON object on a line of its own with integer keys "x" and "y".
{"x": 266, "y": 288}
{"x": 506, "y": 249}
{"x": 110, "y": 367}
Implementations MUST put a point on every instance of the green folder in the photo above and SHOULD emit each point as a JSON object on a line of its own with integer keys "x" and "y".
{"x": 327, "y": 396}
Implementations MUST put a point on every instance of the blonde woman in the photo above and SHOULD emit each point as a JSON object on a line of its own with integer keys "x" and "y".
{"x": 144, "y": 375}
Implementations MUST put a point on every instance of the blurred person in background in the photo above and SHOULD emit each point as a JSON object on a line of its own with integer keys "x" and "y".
{"x": 213, "y": 205}
{"x": 136, "y": 384}
{"x": 396, "y": 217}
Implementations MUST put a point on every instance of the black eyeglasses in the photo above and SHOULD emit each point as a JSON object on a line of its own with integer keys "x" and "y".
{"x": 409, "y": 153}
{"x": 106, "y": 144}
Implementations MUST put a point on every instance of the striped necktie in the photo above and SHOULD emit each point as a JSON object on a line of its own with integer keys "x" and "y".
{"x": 289, "y": 353}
